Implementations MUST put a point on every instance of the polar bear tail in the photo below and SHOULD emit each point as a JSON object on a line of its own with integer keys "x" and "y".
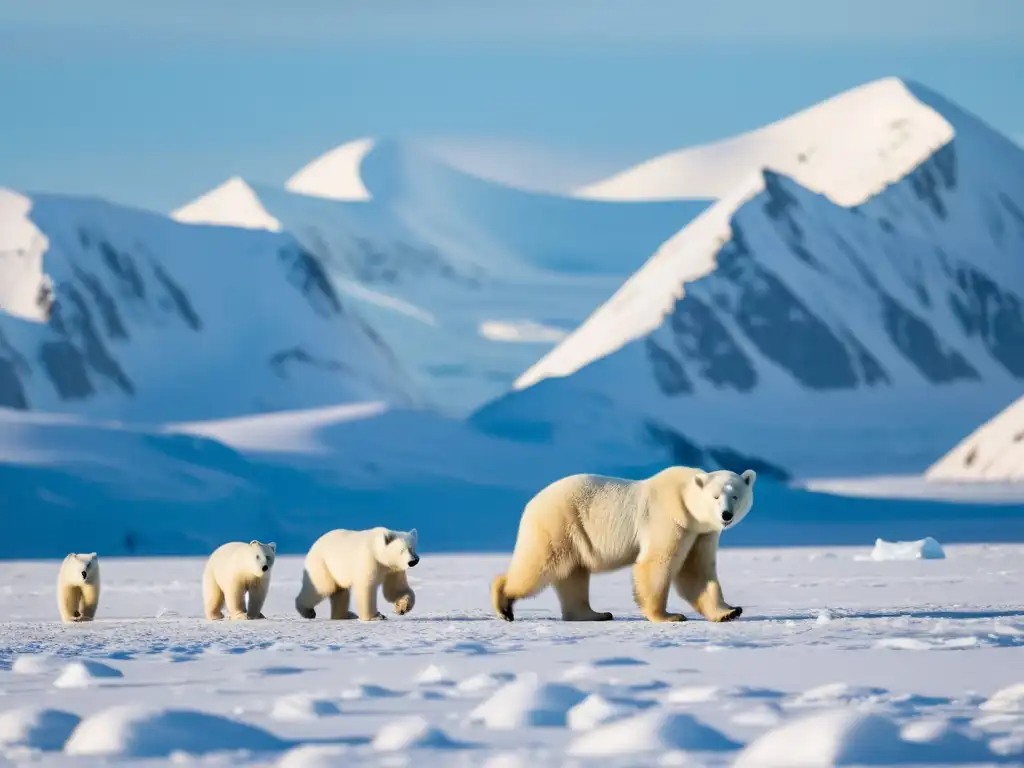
{"x": 502, "y": 604}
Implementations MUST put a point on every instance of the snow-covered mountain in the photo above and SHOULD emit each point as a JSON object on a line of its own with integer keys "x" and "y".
{"x": 994, "y": 452}
{"x": 853, "y": 304}
{"x": 469, "y": 281}
{"x": 117, "y": 313}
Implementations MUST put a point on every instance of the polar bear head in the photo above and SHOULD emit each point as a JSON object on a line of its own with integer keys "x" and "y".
{"x": 719, "y": 500}
{"x": 260, "y": 558}
{"x": 398, "y": 549}
{"x": 81, "y": 568}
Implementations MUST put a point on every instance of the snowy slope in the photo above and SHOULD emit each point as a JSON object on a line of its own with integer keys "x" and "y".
{"x": 123, "y": 314}
{"x": 837, "y": 339}
{"x": 994, "y": 452}
{"x": 469, "y": 281}
{"x": 847, "y": 147}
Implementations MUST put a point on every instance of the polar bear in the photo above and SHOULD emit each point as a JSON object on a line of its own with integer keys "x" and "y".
{"x": 666, "y": 526}
{"x": 78, "y": 587}
{"x": 233, "y": 570}
{"x": 344, "y": 564}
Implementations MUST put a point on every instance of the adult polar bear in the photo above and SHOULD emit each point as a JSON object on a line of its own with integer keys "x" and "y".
{"x": 666, "y": 526}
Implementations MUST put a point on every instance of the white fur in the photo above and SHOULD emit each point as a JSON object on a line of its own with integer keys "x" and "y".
{"x": 345, "y": 564}
{"x": 234, "y": 571}
{"x": 78, "y": 595}
{"x": 667, "y": 526}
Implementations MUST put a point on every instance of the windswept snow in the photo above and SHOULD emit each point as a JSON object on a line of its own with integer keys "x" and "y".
{"x": 781, "y": 689}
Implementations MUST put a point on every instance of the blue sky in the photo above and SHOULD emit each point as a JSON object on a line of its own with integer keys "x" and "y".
{"x": 151, "y": 103}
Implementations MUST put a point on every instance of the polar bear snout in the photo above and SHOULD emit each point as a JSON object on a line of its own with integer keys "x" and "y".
{"x": 413, "y": 562}
{"x": 266, "y": 568}
{"x": 727, "y": 516}
{"x": 85, "y": 574}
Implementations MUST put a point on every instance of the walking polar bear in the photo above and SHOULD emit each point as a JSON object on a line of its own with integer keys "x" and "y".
{"x": 78, "y": 587}
{"x": 666, "y": 526}
{"x": 345, "y": 564}
{"x": 235, "y": 570}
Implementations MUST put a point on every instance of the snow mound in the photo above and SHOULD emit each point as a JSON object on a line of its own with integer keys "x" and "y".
{"x": 526, "y": 702}
{"x": 36, "y": 728}
{"x": 335, "y": 175}
{"x": 34, "y": 663}
{"x": 764, "y": 715}
{"x": 315, "y": 756}
{"x": 993, "y": 452}
{"x": 367, "y": 691}
{"x": 302, "y": 706}
{"x": 655, "y": 731}
{"x": 857, "y": 738}
{"x": 433, "y": 675}
{"x": 833, "y": 694}
{"x": 923, "y": 549}
{"x": 1009, "y": 699}
{"x": 141, "y": 732}
{"x": 485, "y": 681}
{"x": 84, "y": 673}
{"x": 410, "y": 733}
{"x": 234, "y": 204}
{"x": 694, "y": 694}
{"x": 596, "y": 710}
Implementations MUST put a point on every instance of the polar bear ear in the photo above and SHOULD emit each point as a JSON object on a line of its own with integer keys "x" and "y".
{"x": 254, "y": 543}
{"x": 273, "y": 547}
{"x": 91, "y": 556}
{"x": 388, "y": 537}
{"x": 749, "y": 477}
{"x": 700, "y": 479}
{"x": 414, "y": 534}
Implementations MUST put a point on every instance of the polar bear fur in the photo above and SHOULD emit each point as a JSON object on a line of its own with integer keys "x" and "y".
{"x": 345, "y": 564}
{"x": 667, "y": 527}
{"x": 78, "y": 587}
{"x": 233, "y": 571}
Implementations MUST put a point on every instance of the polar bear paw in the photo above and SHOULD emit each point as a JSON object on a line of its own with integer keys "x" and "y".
{"x": 404, "y": 604}
{"x": 735, "y": 613}
{"x": 378, "y": 617}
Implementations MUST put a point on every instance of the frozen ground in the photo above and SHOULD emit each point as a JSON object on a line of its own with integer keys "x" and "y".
{"x": 834, "y": 655}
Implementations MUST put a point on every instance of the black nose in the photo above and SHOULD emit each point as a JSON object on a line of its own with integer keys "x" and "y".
{"x": 727, "y": 516}
{"x": 266, "y": 568}
{"x": 413, "y": 561}
{"x": 84, "y": 575}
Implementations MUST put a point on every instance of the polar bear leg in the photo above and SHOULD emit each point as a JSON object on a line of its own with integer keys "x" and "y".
{"x": 528, "y": 573}
{"x": 234, "y": 596}
{"x": 697, "y": 581}
{"x": 68, "y": 602}
{"x": 339, "y": 605}
{"x": 398, "y": 592}
{"x": 652, "y": 576}
{"x": 89, "y": 601}
{"x": 366, "y": 599}
{"x": 258, "y": 592}
{"x": 213, "y": 596}
{"x": 574, "y": 596}
{"x": 316, "y": 587}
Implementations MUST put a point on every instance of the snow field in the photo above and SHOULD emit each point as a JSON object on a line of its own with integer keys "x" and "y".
{"x": 450, "y": 684}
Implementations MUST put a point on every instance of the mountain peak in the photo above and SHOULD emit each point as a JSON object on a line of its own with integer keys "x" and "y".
{"x": 233, "y": 203}
{"x": 336, "y": 174}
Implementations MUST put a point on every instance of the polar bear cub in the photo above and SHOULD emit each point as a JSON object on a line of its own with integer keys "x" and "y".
{"x": 78, "y": 587}
{"x": 667, "y": 527}
{"x": 345, "y": 564}
{"x": 233, "y": 571}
